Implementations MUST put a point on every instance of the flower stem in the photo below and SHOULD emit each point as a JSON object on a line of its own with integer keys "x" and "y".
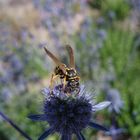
{"x": 15, "y": 126}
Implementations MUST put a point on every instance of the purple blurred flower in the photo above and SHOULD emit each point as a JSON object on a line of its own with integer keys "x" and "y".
{"x": 100, "y": 21}
{"x": 114, "y": 131}
{"x": 6, "y": 94}
{"x": 36, "y": 3}
{"x": 111, "y": 15}
{"x": 16, "y": 64}
{"x": 135, "y": 4}
{"x": 101, "y": 33}
{"x": 113, "y": 95}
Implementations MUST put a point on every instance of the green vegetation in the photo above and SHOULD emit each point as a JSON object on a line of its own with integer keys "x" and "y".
{"x": 120, "y": 8}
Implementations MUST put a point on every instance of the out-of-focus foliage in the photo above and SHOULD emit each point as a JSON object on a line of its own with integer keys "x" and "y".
{"x": 107, "y": 53}
{"x": 117, "y": 49}
{"x": 95, "y": 3}
{"x": 118, "y": 9}
{"x": 125, "y": 59}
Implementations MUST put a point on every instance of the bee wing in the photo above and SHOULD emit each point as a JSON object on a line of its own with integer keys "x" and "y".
{"x": 71, "y": 56}
{"x": 55, "y": 59}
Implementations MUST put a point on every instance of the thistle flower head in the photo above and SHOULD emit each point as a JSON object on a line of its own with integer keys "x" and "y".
{"x": 68, "y": 114}
{"x": 113, "y": 95}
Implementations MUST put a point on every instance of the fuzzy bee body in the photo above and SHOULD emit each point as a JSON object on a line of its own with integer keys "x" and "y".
{"x": 71, "y": 77}
{"x": 67, "y": 74}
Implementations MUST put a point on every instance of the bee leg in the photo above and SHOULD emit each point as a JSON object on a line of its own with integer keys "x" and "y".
{"x": 51, "y": 82}
{"x": 61, "y": 81}
{"x": 53, "y": 77}
{"x": 64, "y": 83}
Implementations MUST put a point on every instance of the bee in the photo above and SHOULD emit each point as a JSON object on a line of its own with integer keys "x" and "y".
{"x": 67, "y": 74}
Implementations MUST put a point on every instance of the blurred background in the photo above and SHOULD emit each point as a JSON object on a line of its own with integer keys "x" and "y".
{"x": 105, "y": 35}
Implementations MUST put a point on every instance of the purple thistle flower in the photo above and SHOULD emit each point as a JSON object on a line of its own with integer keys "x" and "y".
{"x": 114, "y": 131}
{"x": 113, "y": 95}
{"x": 100, "y": 21}
{"x": 101, "y": 33}
{"x": 68, "y": 114}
